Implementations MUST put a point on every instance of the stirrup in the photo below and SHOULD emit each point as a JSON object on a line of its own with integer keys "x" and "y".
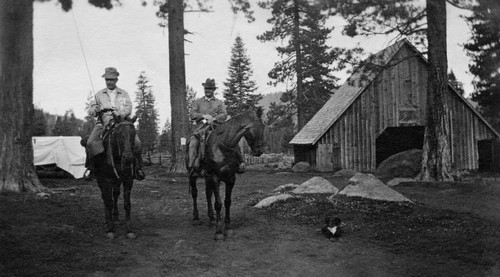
{"x": 139, "y": 174}
{"x": 240, "y": 169}
{"x": 88, "y": 175}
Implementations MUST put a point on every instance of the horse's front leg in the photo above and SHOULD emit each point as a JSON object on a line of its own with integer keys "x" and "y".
{"x": 214, "y": 183}
{"x": 106, "y": 188}
{"x": 194, "y": 195}
{"x": 227, "y": 204}
{"x": 127, "y": 189}
{"x": 116, "y": 196}
{"x": 209, "y": 191}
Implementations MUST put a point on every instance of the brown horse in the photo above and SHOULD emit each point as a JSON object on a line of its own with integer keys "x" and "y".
{"x": 220, "y": 163}
{"x": 114, "y": 168}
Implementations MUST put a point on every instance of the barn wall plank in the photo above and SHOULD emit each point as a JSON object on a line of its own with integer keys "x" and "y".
{"x": 354, "y": 134}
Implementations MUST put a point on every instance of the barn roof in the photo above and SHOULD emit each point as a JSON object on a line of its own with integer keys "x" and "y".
{"x": 342, "y": 99}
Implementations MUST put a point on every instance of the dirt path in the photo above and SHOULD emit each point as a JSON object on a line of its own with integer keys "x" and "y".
{"x": 64, "y": 235}
{"x": 260, "y": 247}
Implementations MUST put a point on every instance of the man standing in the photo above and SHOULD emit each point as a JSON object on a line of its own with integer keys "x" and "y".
{"x": 205, "y": 112}
{"x": 109, "y": 102}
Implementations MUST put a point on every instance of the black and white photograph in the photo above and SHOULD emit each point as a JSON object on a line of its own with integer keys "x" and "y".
{"x": 249, "y": 138}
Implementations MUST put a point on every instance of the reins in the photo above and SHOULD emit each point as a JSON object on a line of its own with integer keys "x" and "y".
{"x": 236, "y": 137}
{"x": 111, "y": 148}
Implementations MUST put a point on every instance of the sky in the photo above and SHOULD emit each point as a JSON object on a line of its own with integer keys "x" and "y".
{"x": 72, "y": 49}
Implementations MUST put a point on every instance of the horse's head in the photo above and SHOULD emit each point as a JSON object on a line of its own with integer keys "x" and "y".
{"x": 254, "y": 133}
{"x": 123, "y": 138}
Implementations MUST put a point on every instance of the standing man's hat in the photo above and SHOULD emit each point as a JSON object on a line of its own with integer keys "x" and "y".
{"x": 110, "y": 73}
{"x": 209, "y": 83}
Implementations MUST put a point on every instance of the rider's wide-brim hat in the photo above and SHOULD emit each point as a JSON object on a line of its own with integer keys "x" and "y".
{"x": 110, "y": 73}
{"x": 209, "y": 83}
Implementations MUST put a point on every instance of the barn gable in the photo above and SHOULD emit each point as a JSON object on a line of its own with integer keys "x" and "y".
{"x": 342, "y": 99}
{"x": 381, "y": 110}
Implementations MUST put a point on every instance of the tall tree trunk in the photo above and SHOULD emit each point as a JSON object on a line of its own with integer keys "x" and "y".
{"x": 298, "y": 67}
{"x": 436, "y": 163}
{"x": 180, "y": 127}
{"x": 17, "y": 172}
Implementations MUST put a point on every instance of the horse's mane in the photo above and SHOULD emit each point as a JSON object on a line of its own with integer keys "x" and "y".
{"x": 237, "y": 119}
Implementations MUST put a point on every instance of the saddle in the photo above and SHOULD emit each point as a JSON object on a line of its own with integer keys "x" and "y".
{"x": 97, "y": 147}
{"x": 202, "y": 134}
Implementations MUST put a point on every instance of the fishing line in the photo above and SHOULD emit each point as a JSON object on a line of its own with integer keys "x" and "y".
{"x": 83, "y": 52}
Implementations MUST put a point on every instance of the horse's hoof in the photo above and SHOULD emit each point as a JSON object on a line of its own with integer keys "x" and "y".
{"x": 211, "y": 223}
{"x": 110, "y": 235}
{"x": 131, "y": 235}
{"x": 218, "y": 236}
{"x": 229, "y": 232}
{"x": 196, "y": 222}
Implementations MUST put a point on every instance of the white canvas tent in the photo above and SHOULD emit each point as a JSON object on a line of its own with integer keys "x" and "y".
{"x": 65, "y": 152}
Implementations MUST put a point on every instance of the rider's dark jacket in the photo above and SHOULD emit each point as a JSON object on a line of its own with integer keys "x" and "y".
{"x": 203, "y": 106}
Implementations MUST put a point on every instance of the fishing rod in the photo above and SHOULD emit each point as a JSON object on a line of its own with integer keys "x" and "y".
{"x": 83, "y": 52}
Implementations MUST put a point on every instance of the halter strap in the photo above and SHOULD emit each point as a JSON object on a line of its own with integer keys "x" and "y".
{"x": 111, "y": 148}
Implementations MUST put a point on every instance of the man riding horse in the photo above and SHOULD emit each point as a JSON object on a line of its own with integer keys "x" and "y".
{"x": 109, "y": 103}
{"x": 206, "y": 112}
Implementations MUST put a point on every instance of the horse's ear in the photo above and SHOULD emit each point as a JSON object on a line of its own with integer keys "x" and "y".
{"x": 116, "y": 118}
{"x": 133, "y": 119}
{"x": 259, "y": 112}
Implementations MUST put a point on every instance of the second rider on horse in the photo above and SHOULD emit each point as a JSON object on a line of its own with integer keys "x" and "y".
{"x": 205, "y": 113}
{"x": 109, "y": 103}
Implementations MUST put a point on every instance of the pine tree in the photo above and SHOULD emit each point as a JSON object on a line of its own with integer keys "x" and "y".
{"x": 457, "y": 85}
{"x": 307, "y": 61}
{"x": 190, "y": 97}
{"x": 484, "y": 49}
{"x": 147, "y": 115}
{"x": 89, "y": 120}
{"x": 40, "y": 123}
{"x": 67, "y": 125}
{"x": 281, "y": 128}
{"x": 165, "y": 139}
{"x": 239, "y": 87}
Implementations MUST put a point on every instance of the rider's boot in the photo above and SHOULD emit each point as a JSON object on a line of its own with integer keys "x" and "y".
{"x": 88, "y": 175}
{"x": 241, "y": 161}
{"x": 193, "y": 157}
{"x": 241, "y": 168}
{"x": 138, "y": 173}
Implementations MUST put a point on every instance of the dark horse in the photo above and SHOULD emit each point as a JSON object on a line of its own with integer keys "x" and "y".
{"x": 220, "y": 163}
{"x": 114, "y": 168}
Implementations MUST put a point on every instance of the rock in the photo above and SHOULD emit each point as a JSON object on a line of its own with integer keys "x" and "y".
{"x": 285, "y": 187}
{"x": 316, "y": 185}
{"x": 345, "y": 173}
{"x": 406, "y": 164}
{"x": 368, "y": 186}
{"x": 301, "y": 167}
{"x": 266, "y": 202}
{"x": 282, "y": 173}
{"x": 397, "y": 181}
{"x": 42, "y": 196}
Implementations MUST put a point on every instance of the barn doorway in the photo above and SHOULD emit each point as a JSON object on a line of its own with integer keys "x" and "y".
{"x": 489, "y": 155}
{"x": 398, "y": 139}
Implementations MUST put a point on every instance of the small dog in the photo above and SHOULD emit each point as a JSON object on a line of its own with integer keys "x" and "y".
{"x": 332, "y": 229}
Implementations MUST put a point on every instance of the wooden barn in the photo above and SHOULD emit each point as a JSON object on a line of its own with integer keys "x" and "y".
{"x": 381, "y": 111}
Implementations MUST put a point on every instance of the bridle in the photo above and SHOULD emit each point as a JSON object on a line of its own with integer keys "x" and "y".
{"x": 119, "y": 148}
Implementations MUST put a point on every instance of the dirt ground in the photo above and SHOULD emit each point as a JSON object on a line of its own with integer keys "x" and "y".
{"x": 453, "y": 229}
